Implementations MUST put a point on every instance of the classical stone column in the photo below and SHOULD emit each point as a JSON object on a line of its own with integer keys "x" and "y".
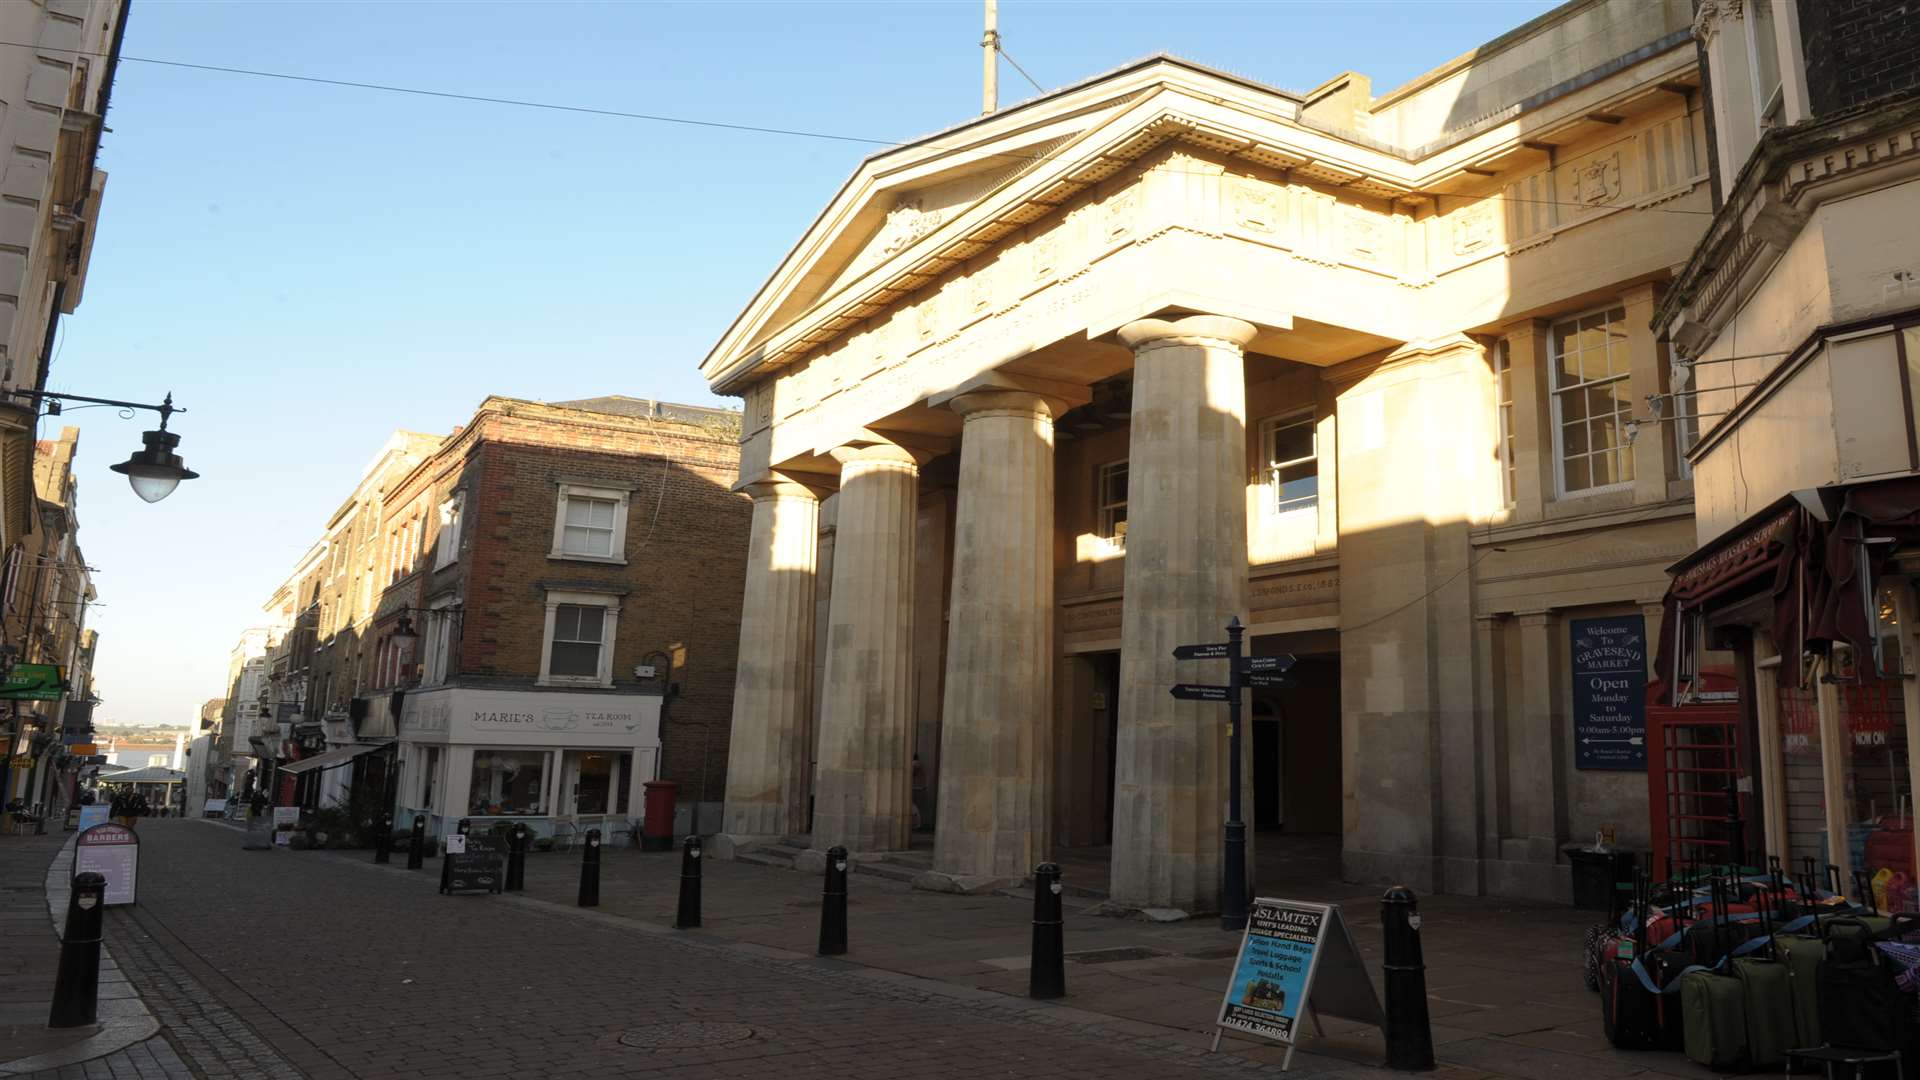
{"x": 863, "y": 793}
{"x": 996, "y": 718}
{"x": 1186, "y": 575}
{"x": 768, "y": 754}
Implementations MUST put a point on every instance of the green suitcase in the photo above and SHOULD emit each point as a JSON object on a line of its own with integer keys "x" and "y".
{"x": 1716, "y": 1020}
{"x": 1802, "y": 956}
{"x": 1771, "y": 1027}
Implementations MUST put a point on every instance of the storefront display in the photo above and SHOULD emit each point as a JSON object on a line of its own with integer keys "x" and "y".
{"x": 560, "y": 762}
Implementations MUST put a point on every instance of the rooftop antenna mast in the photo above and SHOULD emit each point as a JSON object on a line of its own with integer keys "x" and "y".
{"x": 990, "y": 61}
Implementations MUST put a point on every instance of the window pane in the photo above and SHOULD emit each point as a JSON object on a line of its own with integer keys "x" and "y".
{"x": 603, "y": 513}
{"x": 566, "y": 622}
{"x": 1575, "y": 472}
{"x": 1603, "y": 435}
{"x": 1601, "y": 466}
{"x": 1293, "y": 441}
{"x": 1573, "y": 406}
{"x": 1299, "y": 490}
{"x": 575, "y": 658}
{"x": 578, "y": 511}
{"x": 1573, "y": 439}
{"x": 590, "y": 620}
{"x": 507, "y": 782}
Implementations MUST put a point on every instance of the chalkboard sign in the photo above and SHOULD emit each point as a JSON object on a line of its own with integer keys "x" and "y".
{"x": 480, "y": 867}
{"x": 1296, "y": 960}
{"x": 1609, "y": 660}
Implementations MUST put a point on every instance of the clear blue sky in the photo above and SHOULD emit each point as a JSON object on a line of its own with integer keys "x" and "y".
{"x": 309, "y": 267}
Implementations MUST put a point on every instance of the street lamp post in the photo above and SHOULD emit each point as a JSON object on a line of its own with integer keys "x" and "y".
{"x": 155, "y": 469}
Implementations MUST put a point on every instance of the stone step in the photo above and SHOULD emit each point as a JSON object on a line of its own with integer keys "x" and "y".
{"x": 888, "y": 869}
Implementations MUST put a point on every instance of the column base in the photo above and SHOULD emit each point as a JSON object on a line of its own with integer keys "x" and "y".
{"x": 1111, "y": 910}
{"x": 729, "y": 845}
{"x": 963, "y": 884}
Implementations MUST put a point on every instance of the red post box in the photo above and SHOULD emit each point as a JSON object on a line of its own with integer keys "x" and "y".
{"x": 656, "y": 825}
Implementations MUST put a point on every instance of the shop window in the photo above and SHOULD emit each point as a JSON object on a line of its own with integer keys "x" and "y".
{"x": 1291, "y": 447}
{"x": 1113, "y": 503}
{"x": 507, "y": 782}
{"x": 579, "y": 639}
{"x": 590, "y": 523}
{"x": 1503, "y": 396}
{"x": 1592, "y": 401}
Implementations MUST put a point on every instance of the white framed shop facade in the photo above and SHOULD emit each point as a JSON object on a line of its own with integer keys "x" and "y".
{"x": 559, "y": 761}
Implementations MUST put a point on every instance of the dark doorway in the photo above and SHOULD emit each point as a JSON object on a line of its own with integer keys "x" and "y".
{"x": 1106, "y": 719}
{"x": 1266, "y": 764}
{"x": 1310, "y": 761}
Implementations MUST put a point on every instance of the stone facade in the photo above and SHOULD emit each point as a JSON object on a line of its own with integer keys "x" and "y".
{"x": 1168, "y": 347}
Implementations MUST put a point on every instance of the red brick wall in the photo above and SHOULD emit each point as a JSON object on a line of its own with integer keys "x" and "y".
{"x": 686, "y": 550}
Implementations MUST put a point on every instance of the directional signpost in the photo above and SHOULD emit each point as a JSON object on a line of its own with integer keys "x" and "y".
{"x": 1242, "y": 672}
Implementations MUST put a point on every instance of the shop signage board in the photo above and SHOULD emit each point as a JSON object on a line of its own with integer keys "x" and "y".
{"x": 93, "y": 814}
{"x": 476, "y": 862}
{"x": 1609, "y": 660}
{"x": 1296, "y": 960}
{"x": 113, "y": 852}
{"x": 33, "y": 682}
{"x": 286, "y": 817}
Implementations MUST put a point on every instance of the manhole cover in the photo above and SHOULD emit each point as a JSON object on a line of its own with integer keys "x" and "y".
{"x": 1112, "y": 956}
{"x": 684, "y": 1036}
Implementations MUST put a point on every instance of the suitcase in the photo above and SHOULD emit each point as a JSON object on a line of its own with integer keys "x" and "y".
{"x": 1664, "y": 966}
{"x": 1629, "y": 1012}
{"x": 1801, "y": 954}
{"x": 1716, "y": 1020}
{"x": 1860, "y": 1006}
{"x": 1768, "y": 1003}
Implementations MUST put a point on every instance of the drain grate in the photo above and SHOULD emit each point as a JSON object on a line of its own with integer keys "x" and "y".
{"x": 687, "y": 1035}
{"x": 1114, "y": 956}
{"x": 1225, "y": 952}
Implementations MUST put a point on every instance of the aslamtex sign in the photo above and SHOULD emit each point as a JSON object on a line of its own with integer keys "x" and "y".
{"x": 34, "y": 682}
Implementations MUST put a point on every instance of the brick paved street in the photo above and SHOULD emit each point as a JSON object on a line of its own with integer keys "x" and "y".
{"x": 280, "y": 961}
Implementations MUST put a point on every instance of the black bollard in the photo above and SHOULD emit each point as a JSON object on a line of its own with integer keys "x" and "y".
{"x": 1047, "y": 974}
{"x": 517, "y": 858}
{"x": 417, "y": 853}
{"x": 446, "y": 858}
{"x": 383, "y": 839}
{"x": 833, "y": 904}
{"x": 590, "y": 870}
{"x": 688, "y": 917}
{"x": 76, "y": 987}
{"x": 1409, "y": 1033}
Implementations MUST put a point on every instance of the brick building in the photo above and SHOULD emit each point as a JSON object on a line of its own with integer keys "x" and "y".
{"x": 557, "y": 601}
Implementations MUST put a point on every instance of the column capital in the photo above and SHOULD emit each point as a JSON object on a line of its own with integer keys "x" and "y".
{"x": 853, "y": 456}
{"x": 1003, "y": 402}
{"x": 1216, "y": 330}
{"x": 777, "y": 486}
{"x": 1539, "y": 617}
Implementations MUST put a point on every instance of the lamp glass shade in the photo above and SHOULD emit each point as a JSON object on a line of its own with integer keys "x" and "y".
{"x": 155, "y": 470}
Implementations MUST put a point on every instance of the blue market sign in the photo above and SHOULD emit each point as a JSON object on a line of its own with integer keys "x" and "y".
{"x": 1610, "y": 692}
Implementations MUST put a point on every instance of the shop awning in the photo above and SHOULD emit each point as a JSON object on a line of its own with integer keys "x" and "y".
{"x": 332, "y": 759}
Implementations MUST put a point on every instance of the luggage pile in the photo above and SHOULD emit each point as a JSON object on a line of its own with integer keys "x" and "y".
{"x": 1742, "y": 970}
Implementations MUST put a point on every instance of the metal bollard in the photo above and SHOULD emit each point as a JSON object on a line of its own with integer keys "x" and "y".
{"x": 383, "y": 839}
{"x": 590, "y": 870}
{"x": 833, "y": 904}
{"x": 1409, "y": 1033}
{"x": 76, "y": 987}
{"x": 517, "y": 858}
{"x": 688, "y": 917}
{"x": 1047, "y": 973}
{"x": 446, "y": 859}
{"x": 417, "y": 854}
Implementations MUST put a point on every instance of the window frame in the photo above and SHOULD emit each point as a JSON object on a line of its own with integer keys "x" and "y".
{"x": 1270, "y": 429}
{"x": 1503, "y": 406}
{"x": 438, "y": 641}
{"x": 1105, "y": 526}
{"x": 609, "y": 636}
{"x": 618, "y": 496}
{"x": 1556, "y": 392}
{"x": 446, "y": 543}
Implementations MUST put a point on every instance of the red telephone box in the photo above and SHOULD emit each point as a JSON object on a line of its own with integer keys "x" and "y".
{"x": 1695, "y": 756}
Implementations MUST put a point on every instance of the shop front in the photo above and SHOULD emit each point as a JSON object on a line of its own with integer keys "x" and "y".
{"x": 1814, "y": 599}
{"x": 560, "y": 762}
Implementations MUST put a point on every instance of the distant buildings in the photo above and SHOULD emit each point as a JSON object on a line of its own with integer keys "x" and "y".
{"x": 527, "y": 619}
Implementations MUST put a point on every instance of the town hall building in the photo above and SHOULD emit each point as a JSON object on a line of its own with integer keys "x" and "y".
{"x": 1039, "y": 397}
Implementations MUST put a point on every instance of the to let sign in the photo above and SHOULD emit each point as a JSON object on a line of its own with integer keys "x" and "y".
{"x": 1609, "y": 659}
